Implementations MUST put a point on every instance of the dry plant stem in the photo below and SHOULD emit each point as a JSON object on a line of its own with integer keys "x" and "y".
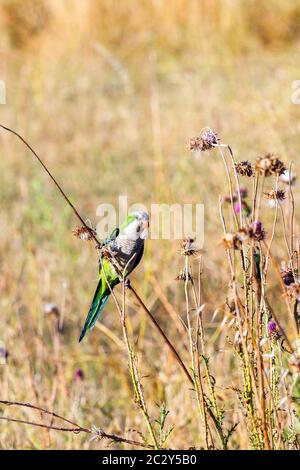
{"x": 286, "y": 238}
{"x": 132, "y": 366}
{"x": 53, "y": 179}
{"x": 288, "y": 400}
{"x": 133, "y": 370}
{"x": 76, "y": 429}
{"x": 261, "y": 309}
{"x": 229, "y": 182}
{"x": 273, "y": 232}
{"x": 274, "y": 315}
{"x": 260, "y": 188}
{"x": 260, "y": 367}
{"x": 177, "y": 357}
{"x": 198, "y": 387}
{"x": 237, "y": 184}
{"x": 268, "y": 255}
{"x": 251, "y": 383}
{"x": 161, "y": 332}
{"x": 169, "y": 309}
{"x": 292, "y": 219}
{"x": 255, "y": 188}
{"x": 200, "y": 333}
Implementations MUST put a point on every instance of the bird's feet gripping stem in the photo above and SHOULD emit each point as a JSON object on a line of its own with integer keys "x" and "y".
{"x": 127, "y": 283}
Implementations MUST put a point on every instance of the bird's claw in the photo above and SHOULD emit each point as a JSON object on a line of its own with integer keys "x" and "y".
{"x": 127, "y": 283}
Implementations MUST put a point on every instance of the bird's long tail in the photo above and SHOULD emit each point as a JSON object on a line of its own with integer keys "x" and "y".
{"x": 96, "y": 308}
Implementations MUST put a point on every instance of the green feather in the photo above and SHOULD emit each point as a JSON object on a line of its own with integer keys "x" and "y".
{"x": 107, "y": 278}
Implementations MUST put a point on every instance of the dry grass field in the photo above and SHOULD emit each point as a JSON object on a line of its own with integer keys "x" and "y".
{"x": 109, "y": 94}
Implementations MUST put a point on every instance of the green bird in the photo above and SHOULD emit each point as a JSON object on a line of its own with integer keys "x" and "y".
{"x": 127, "y": 246}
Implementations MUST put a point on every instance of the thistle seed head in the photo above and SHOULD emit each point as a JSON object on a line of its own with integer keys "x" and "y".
{"x": 269, "y": 165}
{"x": 244, "y": 168}
{"x": 206, "y": 140}
{"x": 256, "y": 231}
{"x": 287, "y": 277}
{"x": 183, "y": 277}
{"x": 275, "y": 195}
{"x": 84, "y": 233}
{"x": 188, "y": 247}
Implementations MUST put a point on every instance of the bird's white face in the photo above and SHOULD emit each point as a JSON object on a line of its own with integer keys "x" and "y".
{"x": 139, "y": 227}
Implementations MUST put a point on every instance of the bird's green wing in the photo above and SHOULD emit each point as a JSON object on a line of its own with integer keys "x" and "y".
{"x": 108, "y": 280}
{"x": 136, "y": 260}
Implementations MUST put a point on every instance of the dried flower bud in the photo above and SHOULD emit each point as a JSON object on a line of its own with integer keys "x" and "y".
{"x": 244, "y": 168}
{"x": 293, "y": 291}
{"x": 256, "y": 231}
{"x": 275, "y": 195}
{"x": 206, "y": 140}
{"x": 287, "y": 277}
{"x": 235, "y": 240}
{"x": 182, "y": 276}
{"x": 188, "y": 247}
{"x": 269, "y": 165}
{"x": 84, "y": 233}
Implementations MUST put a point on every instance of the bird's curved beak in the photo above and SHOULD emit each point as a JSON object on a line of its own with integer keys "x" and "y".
{"x": 145, "y": 229}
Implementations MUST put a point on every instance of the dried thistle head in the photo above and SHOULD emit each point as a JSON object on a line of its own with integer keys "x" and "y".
{"x": 84, "y": 233}
{"x": 293, "y": 291}
{"x": 287, "y": 277}
{"x": 206, "y": 140}
{"x": 269, "y": 165}
{"x": 188, "y": 247}
{"x": 244, "y": 168}
{"x": 235, "y": 240}
{"x": 256, "y": 231}
{"x": 275, "y": 195}
{"x": 183, "y": 277}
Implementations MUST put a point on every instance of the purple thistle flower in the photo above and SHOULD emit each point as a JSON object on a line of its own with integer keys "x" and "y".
{"x": 79, "y": 374}
{"x": 3, "y": 355}
{"x": 257, "y": 226}
{"x": 273, "y": 330}
{"x": 245, "y": 208}
{"x": 272, "y": 327}
{"x": 258, "y": 231}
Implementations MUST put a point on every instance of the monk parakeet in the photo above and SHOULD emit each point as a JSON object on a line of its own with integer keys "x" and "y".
{"x": 127, "y": 246}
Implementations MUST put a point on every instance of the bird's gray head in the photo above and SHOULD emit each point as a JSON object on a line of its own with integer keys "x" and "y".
{"x": 137, "y": 225}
